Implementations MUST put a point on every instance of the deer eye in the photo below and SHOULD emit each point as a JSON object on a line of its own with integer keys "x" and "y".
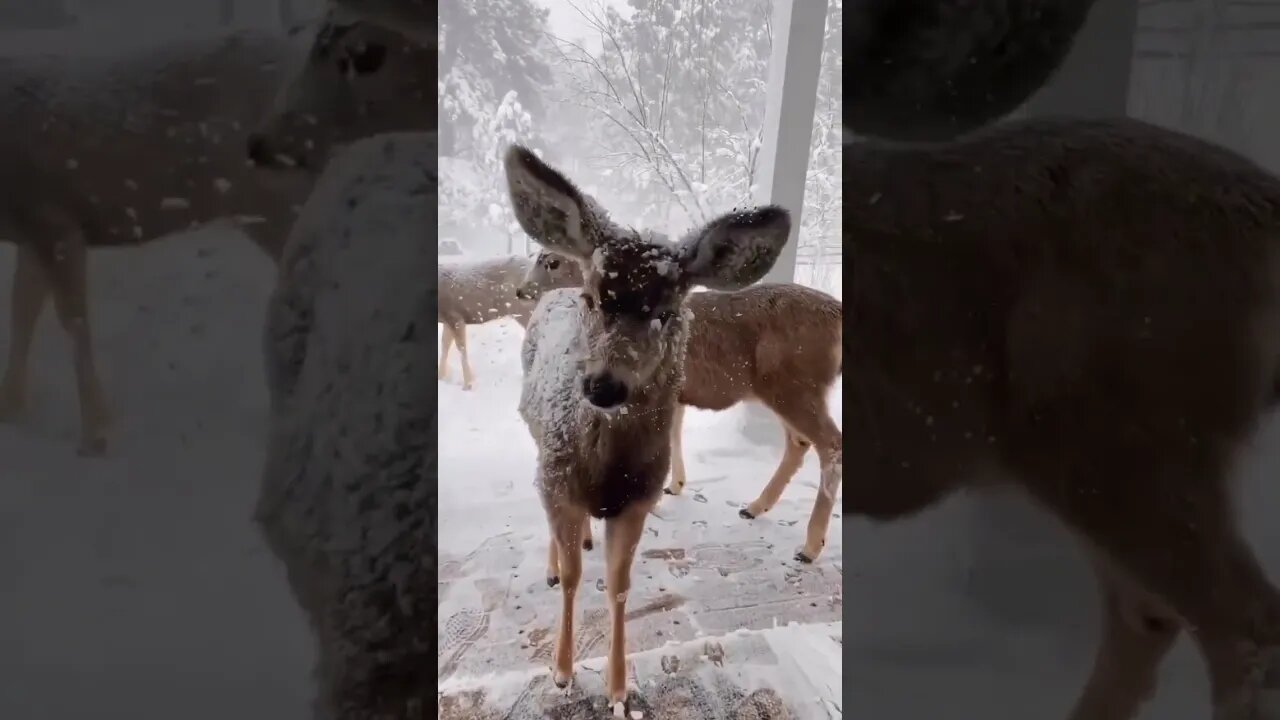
{"x": 553, "y": 264}
{"x": 368, "y": 58}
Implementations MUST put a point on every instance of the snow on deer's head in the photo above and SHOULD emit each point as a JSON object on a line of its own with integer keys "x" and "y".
{"x": 633, "y": 284}
{"x": 349, "y": 79}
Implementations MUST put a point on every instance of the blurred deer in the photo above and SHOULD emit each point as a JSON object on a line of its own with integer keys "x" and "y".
{"x": 123, "y": 151}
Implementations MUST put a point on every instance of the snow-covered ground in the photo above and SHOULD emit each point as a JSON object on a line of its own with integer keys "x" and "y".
{"x": 134, "y": 587}
{"x": 702, "y": 572}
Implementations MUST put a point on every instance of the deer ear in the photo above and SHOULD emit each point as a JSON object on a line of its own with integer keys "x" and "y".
{"x": 735, "y": 250}
{"x": 548, "y": 207}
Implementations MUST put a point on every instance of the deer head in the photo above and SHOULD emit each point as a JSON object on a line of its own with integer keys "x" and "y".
{"x": 348, "y": 81}
{"x": 548, "y": 271}
{"x": 634, "y": 284}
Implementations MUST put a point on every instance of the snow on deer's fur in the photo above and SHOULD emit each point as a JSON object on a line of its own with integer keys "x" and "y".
{"x": 122, "y": 150}
{"x": 776, "y": 343}
{"x": 602, "y": 371}
{"x": 473, "y": 293}
{"x": 347, "y": 500}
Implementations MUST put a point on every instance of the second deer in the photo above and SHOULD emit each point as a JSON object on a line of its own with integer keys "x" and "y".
{"x": 603, "y": 368}
{"x": 776, "y": 343}
{"x": 475, "y": 293}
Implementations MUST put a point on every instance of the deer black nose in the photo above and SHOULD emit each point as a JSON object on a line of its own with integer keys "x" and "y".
{"x": 257, "y": 148}
{"x": 604, "y": 390}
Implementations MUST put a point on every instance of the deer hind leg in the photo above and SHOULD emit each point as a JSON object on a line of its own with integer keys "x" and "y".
{"x": 793, "y": 452}
{"x": 677, "y": 452}
{"x": 460, "y": 336}
{"x": 566, "y": 527}
{"x": 621, "y": 536}
{"x": 1171, "y": 527}
{"x": 30, "y": 293}
{"x": 804, "y": 411}
{"x": 68, "y": 275}
{"x": 1137, "y": 631}
{"x": 446, "y": 343}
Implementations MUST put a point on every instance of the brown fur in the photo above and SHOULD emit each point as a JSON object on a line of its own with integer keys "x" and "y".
{"x": 1089, "y": 310}
{"x": 125, "y": 152}
{"x": 602, "y": 370}
{"x": 778, "y": 344}
{"x": 479, "y": 292}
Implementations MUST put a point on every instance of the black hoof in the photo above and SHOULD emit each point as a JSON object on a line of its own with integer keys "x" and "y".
{"x": 804, "y": 558}
{"x": 553, "y": 581}
{"x": 562, "y": 684}
{"x": 745, "y": 514}
{"x": 587, "y": 544}
{"x": 668, "y": 491}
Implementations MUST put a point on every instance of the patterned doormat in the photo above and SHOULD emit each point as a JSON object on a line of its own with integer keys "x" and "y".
{"x": 785, "y": 673}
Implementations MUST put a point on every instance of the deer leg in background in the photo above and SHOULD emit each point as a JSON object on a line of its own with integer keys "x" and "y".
{"x": 1137, "y": 632}
{"x": 792, "y": 459}
{"x": 460, "y": 336}
{"x": 68, "y": 275}
{"x": 805, "y": 413}
{"x": 30, "y": 293}
{"x": 621, "y": 536}
{"x": 677, "y": 452}
{"x": 446, "y": 342}
{"x": 587, "y": 541}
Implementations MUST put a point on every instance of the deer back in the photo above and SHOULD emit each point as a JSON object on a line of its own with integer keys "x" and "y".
{"x": 744, "y": 344}
{"x": 145, "y": 143}
{"x": 1056, "y": 272}
{"x": 477, "y": 292}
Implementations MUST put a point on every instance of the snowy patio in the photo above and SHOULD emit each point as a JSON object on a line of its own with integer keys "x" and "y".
{"x": 135, "y": 587}
{"x": 719, "y": 593}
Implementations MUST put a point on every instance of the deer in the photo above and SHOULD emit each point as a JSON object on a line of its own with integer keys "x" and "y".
{"x": 1029, "y": 322}
{"x": 125, "y": 151}
{"x": 346, "y": 86}
{"x": 603, "y": 368}
{"x": 479, "y": 292}
{"x": 346, "y": 498}
{"x": 928, "y": 72}
{"x": 775, "y": 343}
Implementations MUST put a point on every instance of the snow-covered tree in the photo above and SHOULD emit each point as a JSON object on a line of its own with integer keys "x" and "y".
{"x": 673, "y": 99}
{"x": 487, "y": 49}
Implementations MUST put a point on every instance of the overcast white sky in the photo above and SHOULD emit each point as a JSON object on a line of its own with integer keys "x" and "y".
{"x": 568, "y": 23}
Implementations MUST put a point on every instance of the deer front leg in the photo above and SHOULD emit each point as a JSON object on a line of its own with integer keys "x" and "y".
{"x": 460, "y": 336}
{"x": 621, "y": 536}
{"x": 68, "y": 275}
{"x": 1137, "y": 632}
{"x": 677, "y": 452}
{"x": 446, "y": 343}
{"x": 30, "y": 293}
{"x": 566, "y": 528}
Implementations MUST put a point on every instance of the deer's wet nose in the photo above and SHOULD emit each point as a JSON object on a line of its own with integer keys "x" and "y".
{"x": 604, "y": 390}
{"x": 258, "y": 151}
